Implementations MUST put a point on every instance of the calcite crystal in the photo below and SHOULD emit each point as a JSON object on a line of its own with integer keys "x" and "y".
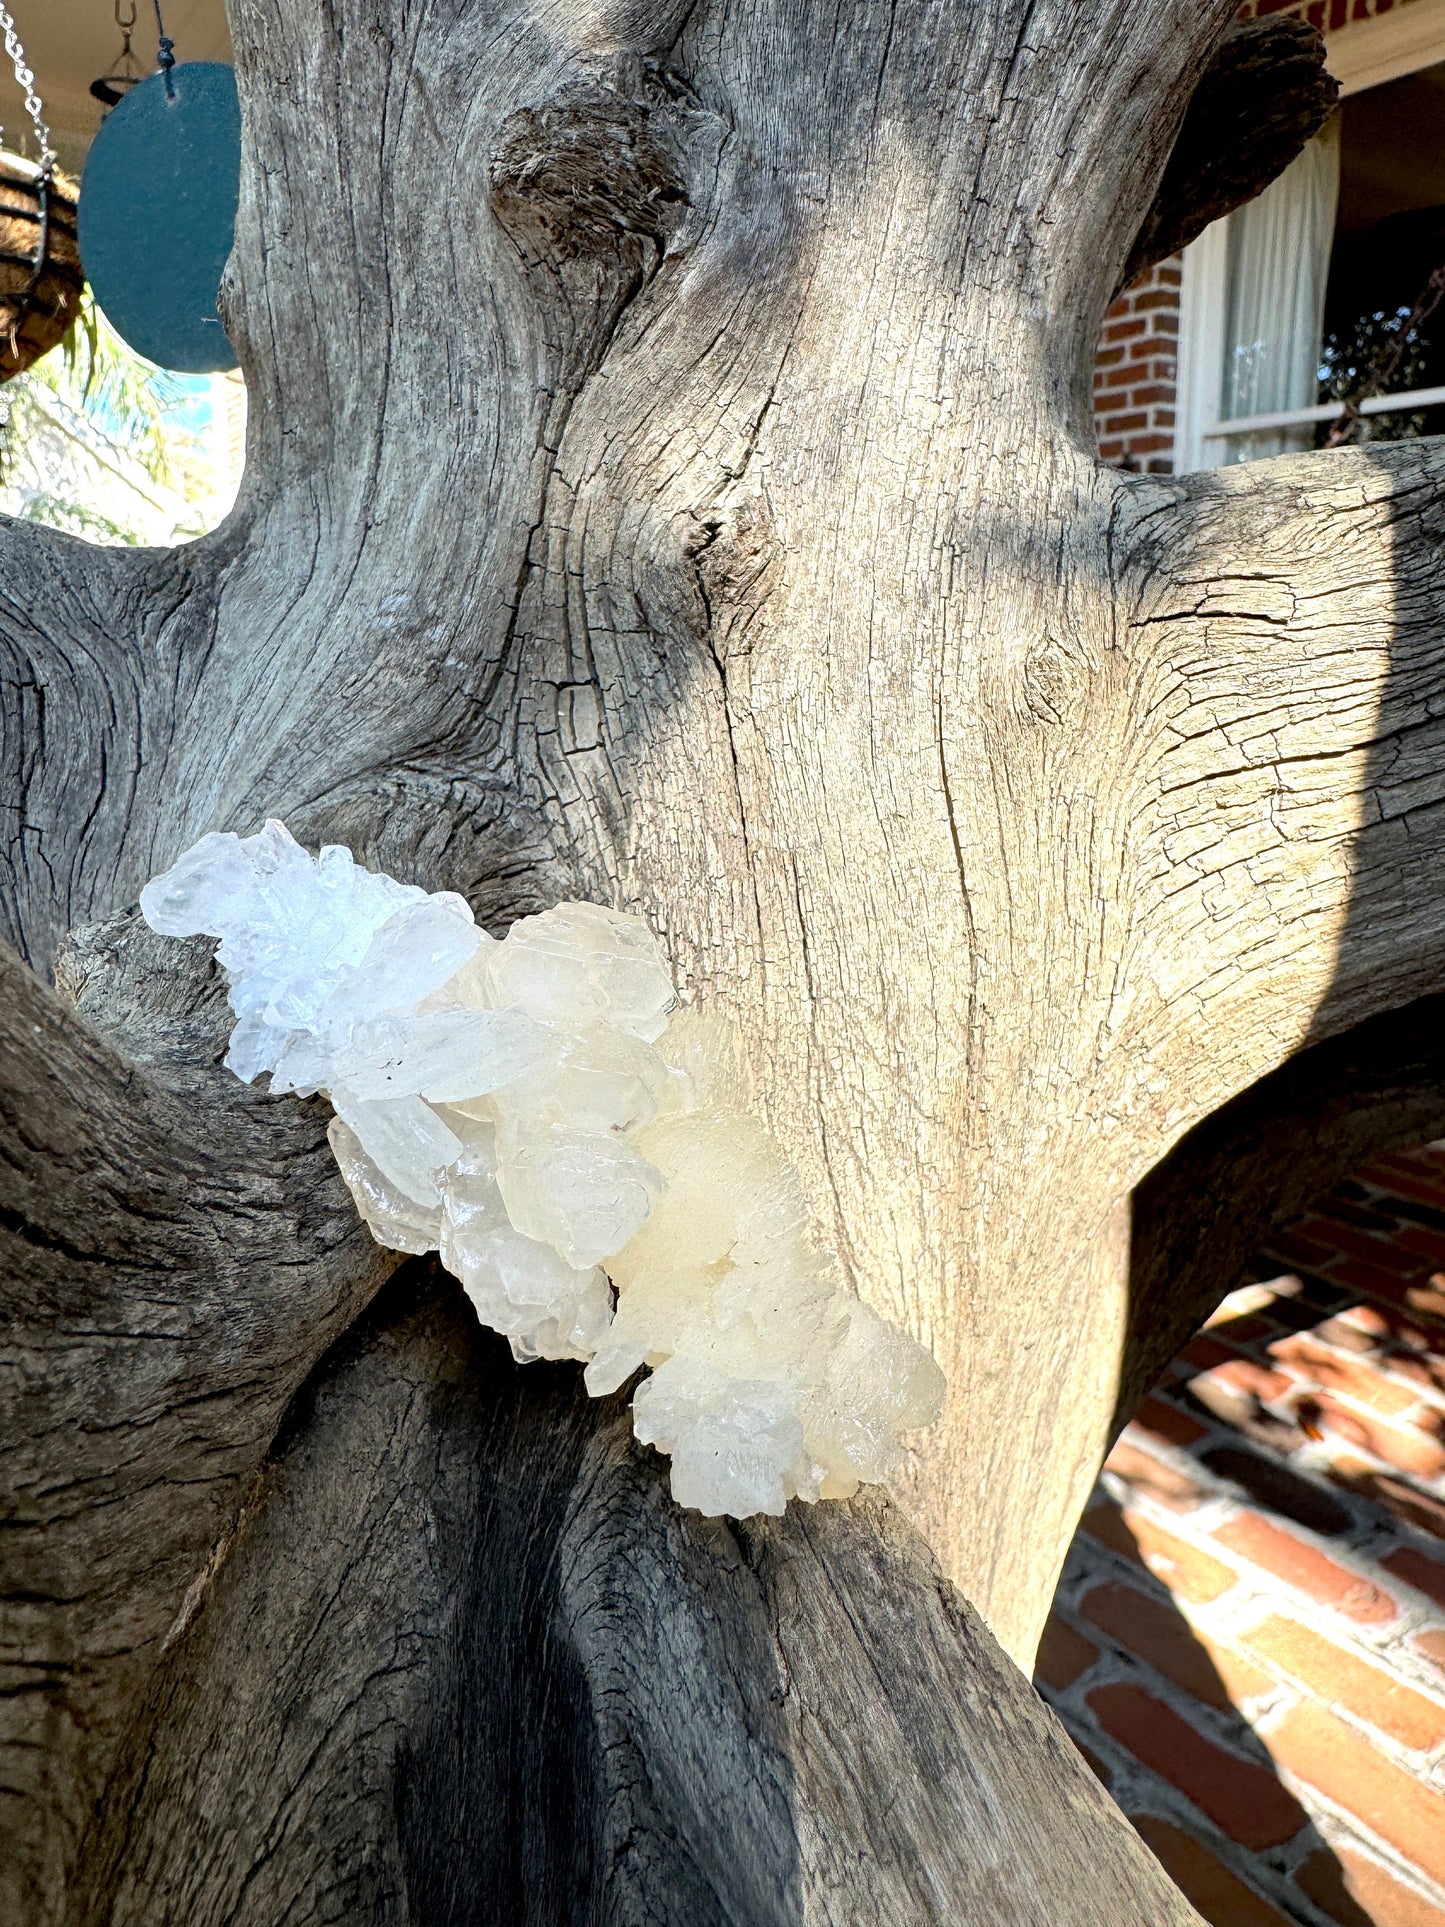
{"x": 580, "y": 1151}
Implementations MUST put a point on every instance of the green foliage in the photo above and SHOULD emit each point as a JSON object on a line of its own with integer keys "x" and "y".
{"x": 102, "y": 425}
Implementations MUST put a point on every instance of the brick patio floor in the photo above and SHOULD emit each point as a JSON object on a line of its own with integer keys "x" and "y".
{"x": 1248, "y": 1640}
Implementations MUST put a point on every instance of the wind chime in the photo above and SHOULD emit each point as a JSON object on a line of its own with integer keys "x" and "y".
{"x": 40, "y": 273}
{"x": 158, "y": 205}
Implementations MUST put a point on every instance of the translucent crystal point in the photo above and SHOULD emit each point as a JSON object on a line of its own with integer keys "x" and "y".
{"x": 581, "y": 964}
{"x": 583, "y": 1155}
{"x": 584, "y": 1192}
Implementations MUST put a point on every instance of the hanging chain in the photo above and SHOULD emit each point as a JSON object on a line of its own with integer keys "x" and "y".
{"x": 26, "y": 79}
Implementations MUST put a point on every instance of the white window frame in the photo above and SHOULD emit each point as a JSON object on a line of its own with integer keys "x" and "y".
{"x": 1367, "y": 54}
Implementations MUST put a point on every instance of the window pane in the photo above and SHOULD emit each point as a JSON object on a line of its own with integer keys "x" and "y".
{"x": 1278, "y": 261}
{"x": 1389, "y": 240}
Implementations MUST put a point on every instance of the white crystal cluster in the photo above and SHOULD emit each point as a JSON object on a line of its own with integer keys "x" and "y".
{"x": 580, "y": 1152}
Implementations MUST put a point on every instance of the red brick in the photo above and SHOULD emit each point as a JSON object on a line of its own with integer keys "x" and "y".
{"x": 1063, "y": 1654}
{"x": 1367, "y": 1319}
{"x": 1167, "y": 1422}
{"x": 1431, "y": 1646}
{"x": 1147, "y": 1475}
{"x": 1242, "y": 1681}
{"x": 1417, "y": 1509}
{"x": 1425, "y": 1575}
{"x": 1408, "y": 1449}
{"x": 1296, "y": 1250}
{"x": 1246, "y": 1303}
{"x": 1427, "y": 1300}
{"x": 1316, "y": 1364}
{"x": 1347, "y": 1333}
{"x": 1353, "y": 1243}
{"x": 1121, "y": 424}
{"x": 1244, "y": 1330}
{"x": 1205, "y": 1353}
{"x": 1302, "y": 1566}
{"x": 1158, "y": 1633}
{"x": 1342, "y": 1680}
{"x": 1220, "y": 1895}
{"x": 1426, "y": 1374}
{"x": 1276, "y": 1491}
{"x": 1153, "y": 298}
{"x": 1243, "y": 1800}
{"x": 1423, "y": 1242}
{"x": 1407, "y": 1179}
{"x": 1184, "y": 1569}
{"x": 1372, "y": 1279}
{"x": 1397, "y": 1806}
{"x": 1358, "y": 1892}
{"x": 1233, "y": 1392}
{"x": 1155, "y": 392}
{"x": 1245, "y": 1376}
{"x": 1406, "y": 1334}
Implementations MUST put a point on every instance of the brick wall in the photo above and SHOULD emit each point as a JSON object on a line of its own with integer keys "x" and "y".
{"x": 1328, "y": 15}
{"x": 1248, "y": 1641}
{"x": 1135, "y": 375}
{"x": 1135, "y": 372}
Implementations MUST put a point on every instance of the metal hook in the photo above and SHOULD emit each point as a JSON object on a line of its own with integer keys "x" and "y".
{"x": 126, "y": 73}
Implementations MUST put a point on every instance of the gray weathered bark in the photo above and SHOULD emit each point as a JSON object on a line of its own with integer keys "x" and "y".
{"x": 1265, "y": 93}
{"x": 670, "y": 482}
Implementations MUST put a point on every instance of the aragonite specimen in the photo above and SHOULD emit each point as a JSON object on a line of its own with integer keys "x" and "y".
{"x": 580, "y": 1151}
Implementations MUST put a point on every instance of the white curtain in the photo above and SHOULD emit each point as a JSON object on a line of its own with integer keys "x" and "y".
{"x": 1279, "y": 260}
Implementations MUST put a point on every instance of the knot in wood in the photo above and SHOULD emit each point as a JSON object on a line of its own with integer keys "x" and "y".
{"x": 585, "y": 174}
{"x": 737, "y": 559}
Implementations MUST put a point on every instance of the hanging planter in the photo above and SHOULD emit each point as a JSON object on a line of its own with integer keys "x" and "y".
{"x": 40, "y": 272}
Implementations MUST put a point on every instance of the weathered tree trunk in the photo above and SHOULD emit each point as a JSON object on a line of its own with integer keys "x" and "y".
{"x": 670, "y": 482}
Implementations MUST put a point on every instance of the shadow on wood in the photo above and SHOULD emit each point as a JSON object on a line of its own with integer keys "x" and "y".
{"x": 464, "y": 1658}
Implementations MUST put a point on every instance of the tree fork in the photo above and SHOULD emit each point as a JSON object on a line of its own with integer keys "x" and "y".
{"x": 671, "y": 482}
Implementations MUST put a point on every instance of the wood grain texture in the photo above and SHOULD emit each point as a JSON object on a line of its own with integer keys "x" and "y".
{"x": 465, "y": 1659}
{"x": 1265, "y": 93}
{"x": 174, "y": 1257}
{"x": 670, "y": 482}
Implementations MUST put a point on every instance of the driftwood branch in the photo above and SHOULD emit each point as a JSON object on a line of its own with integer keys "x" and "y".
{"x": 1265, "y": 93}
{"x": 653, "y": 1718}
{"x": 174, "y": 1256}
{"x": 1290, "y": 619}
{"x": 730, "y": 552}
{"x": 1293, "y": 618}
